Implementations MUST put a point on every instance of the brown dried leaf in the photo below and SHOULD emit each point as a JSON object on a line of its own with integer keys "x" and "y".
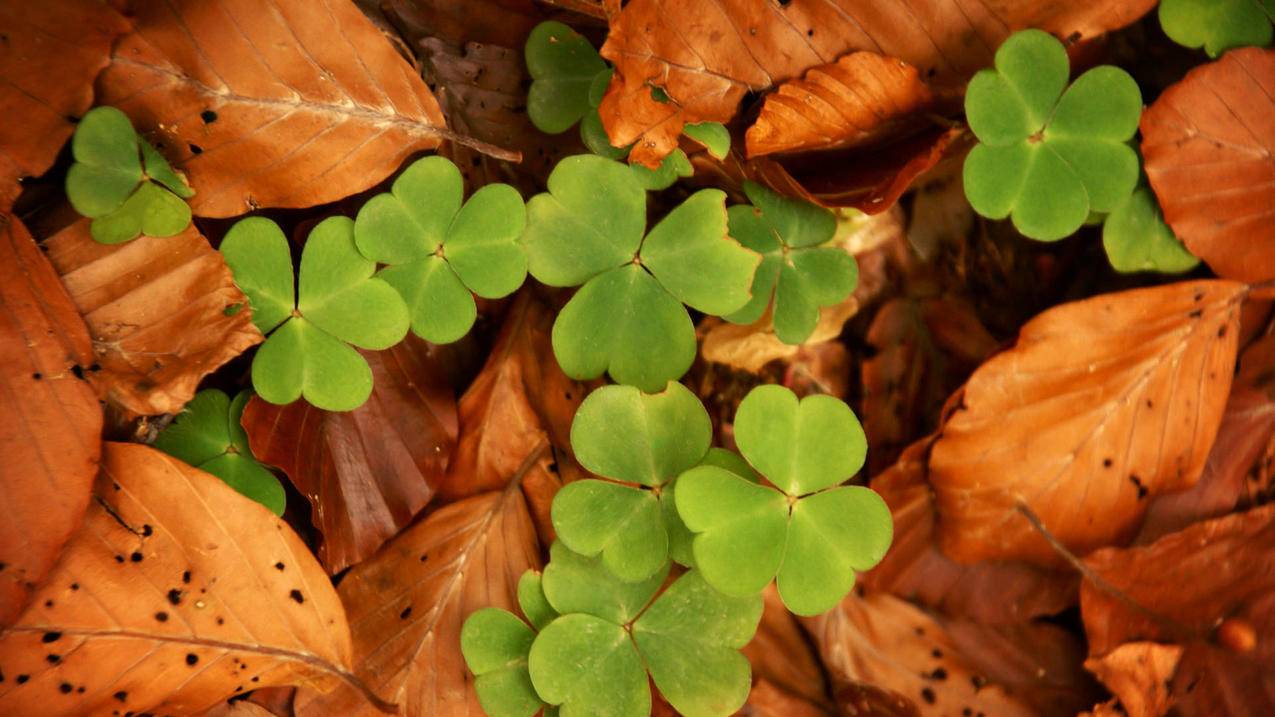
{"x": 989, "y": 592}
{"x": 176, "y": 594}
{"x": 408, "y": 603}
{"x": 291, "y": 104}
{"x": 782, "y": 659}
{"x": 51, "y": 438}
{"x": 749, "y": 347}
{"x": 1101, "y": 403}
{"x": 366, "y": 472}
{"x": 50, "y": 55}
{"x": 1140, "y": 674}
{"x": 706, "y": 58}
{"x": 1209, "y": 148}
{"x": 767, "y": 700}
{"x": 238, "y": 709}
{"x": 157, "y": 311}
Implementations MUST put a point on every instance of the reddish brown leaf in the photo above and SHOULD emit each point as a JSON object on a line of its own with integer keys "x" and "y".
{"x": 1140, "y": 674}
{"x": 706, "y": 58}
{"x": 989, "y": 592}
{"x": 1209, "y": 149}
{"x": 783, "y": 660}
{"x": 408, "y": 603}
{"x": 366, "y": 472}
{"x": 767, "y": 700}
{"x": 157, "y": 311}
{"x": 51, "y": 437}
{"x": 1100, "y": 404}
{"x": 51, "y": 53}
{"x": 175, "y": 594}
{"x": 290, "y": 104}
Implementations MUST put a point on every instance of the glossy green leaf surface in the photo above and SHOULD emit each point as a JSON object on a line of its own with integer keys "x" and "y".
{"x": 1048, "y": 154}
{"x": 532, "y": 601}
{"x": 562, "y": 65}
{"x": 1218, "y": 25}
{"x": 257, "y": 253}
{"x": 799, "y": 445}
{"x": 1137, "y": 239}
{"x": 590, "y": 667}
{"x": 495, "y": 645}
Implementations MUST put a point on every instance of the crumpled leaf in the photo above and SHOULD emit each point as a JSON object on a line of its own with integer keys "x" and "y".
{"x": 329, "y": 111}
{"x": 53, "y": 53}
{"x": 463, "y": 557}
{"x": 1140, "y": 674}
{"x": 706, "y": 61}
{"x": 177, "y": 594}
{"x": 369, "y": 471}
{"x": 51, "y": 439}
{"x": 163, "y": 313}
{"x": 1208, "y": 145}
{"x": 1101, "y": 403}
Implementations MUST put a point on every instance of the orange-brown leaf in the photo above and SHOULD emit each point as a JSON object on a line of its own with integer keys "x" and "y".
{"x": 1209, "y": 149}
{"x": 366, "y": 472}
{"x": 1140, "y": 674}
{"x": 51, "y": 435}
{"x": 1101, "y": 403}
{"x": 163, "y": 313}
{"x": 176, "y": 594}
{"x": 49, "y": 57}
{"x": 287, "y": 104}
{"x": 407, "y": 605}
{"x": 860, "y": 98}
{"x": 706, "y": 57}
{"x": 782, "y": 659}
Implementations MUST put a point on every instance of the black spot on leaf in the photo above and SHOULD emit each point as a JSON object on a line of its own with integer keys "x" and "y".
{"x": 175, "y": 596}
{"x": 161, "y": 616}
{"x": 297, "y": 596}
{"x": 192, "y": 658}
{"x": 51, "y": 637}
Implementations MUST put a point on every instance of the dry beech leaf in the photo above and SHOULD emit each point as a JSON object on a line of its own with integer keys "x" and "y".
{"x": 1139, "y": 674}
{"x": 881, "y": 641}
{"x": 163, "y": 313}
{"x": 407, "y": 604}
{"x": 1209, "y": 588}
{"x": 50, "y": 55}
{"x": 707, "y": 58}
{"x": 989, "y": 592}
{"x": 1208, "y": 145}
{"x": 366, "y": 472}
{"x": 176, "y": 594}
{"x": 238, "y": 709}
{"x": 860, "y": 98}
{"x": 782, "y": 659}
{"x": 50, "y": 438}
{"x": 290, "y": 104}
{"x": 767, "y": 700}
{"x": 749, "y": 347}
{"x": 1100, "y": 404}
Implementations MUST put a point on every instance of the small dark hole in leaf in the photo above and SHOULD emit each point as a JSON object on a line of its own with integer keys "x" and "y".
{"x": 37, "y": 375}
{"x": 407, "y": 612}
{"x": 161, "y": 616}
{"x": 135, "y": 557}
{"x": 53, "y": 658}
{"x": 78, "y": 370}
{"x": 175, "y": 596}
{"x": 1196, "y": 314}
{"x": 279, "y": 566}
{"x": 978, "y": 681}
{"x": 119, "y": 558}
{"x": 927, "y": 694}
{"x": 65, "y": 688}
{"x": 48, "y": 603}
{"x": 147, "y": 530}
{"x": 22, "y": 679}
{"x": 297, "y": 596}
{"x": 75, "y": 586}
{"x": 121, "y": 695}
{"x": 51, "y": 637}
{"x": 208, "y": 116}
{"x": 196, "y": 149}
{"x": 191, "y": 658}
{"x": 1106, "y": 462}
{"x": 186, "y": 577}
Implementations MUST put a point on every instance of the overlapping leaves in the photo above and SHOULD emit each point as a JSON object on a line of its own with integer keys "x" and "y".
{"x": 339, "y": 303}
{"x": 628, "y": 319}
{"x": 121, "y": 183}
{"x": 1218, "y": 25}
{"x": 1049, "y": 154}
{"x": 1137, "y": 239}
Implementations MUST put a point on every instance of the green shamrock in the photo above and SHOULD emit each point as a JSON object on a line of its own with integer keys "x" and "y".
{"x": 439, "y": 251}
{"x": 628, "y": 319}
{"x": 207, "y": 435}
{"x": 121, "y": 183}
{"x": 641, "y": 441}
{"x": 1046, "y": 156}
{"x": 563, "y": 66}
{"x": 339, "y": 302}
{"x": 807, "y": 531}
{"x": 1137, "y": 239}
{"x": 1218, "y": 25}
{"x": 799, "y": 269}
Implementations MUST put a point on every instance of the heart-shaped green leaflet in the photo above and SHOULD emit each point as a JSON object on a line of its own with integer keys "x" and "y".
{"x": 1218, "y": 25}
{"x": 1046, "y": 157}
{"x": 808, "y": 534}
{"x": 562, "y": 65}
{"x": 627, "y": 320}
{"x": 207, "y": 435}
{"x": 532, "y": 601}
{"x": 798, "y": 270}
{"x": 438, "y": 250}
{"x": 645, "y": 441}
{"x": 1137, "y": 239}
{"x": 495, "y": 645}
{"x": 339, "y": 303}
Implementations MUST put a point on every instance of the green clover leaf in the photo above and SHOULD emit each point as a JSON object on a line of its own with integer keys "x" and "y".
{"x": 1048, "y": 157}
{"x": 340, "y": 302}
{"x": 642, "y": 441}
{"x": 712, "y": 135}
{"x": 1218, "y": 25}
{"x": 439, "y": 250}
{"x": 806, "y": 531}
{"x": 799, "y": 269}
{"x": 629, "y": 320}
{"x": 207, "y": 435}
{"x": 594, "y": 659}
{"x": 495, "y": 645}
{"x": 563, "y": 66}
{"x": 531, "y": 599}
{"x": 673, "y": 167}
{"x": 1137, "y": 239}
{"x": 121, "y": 183}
